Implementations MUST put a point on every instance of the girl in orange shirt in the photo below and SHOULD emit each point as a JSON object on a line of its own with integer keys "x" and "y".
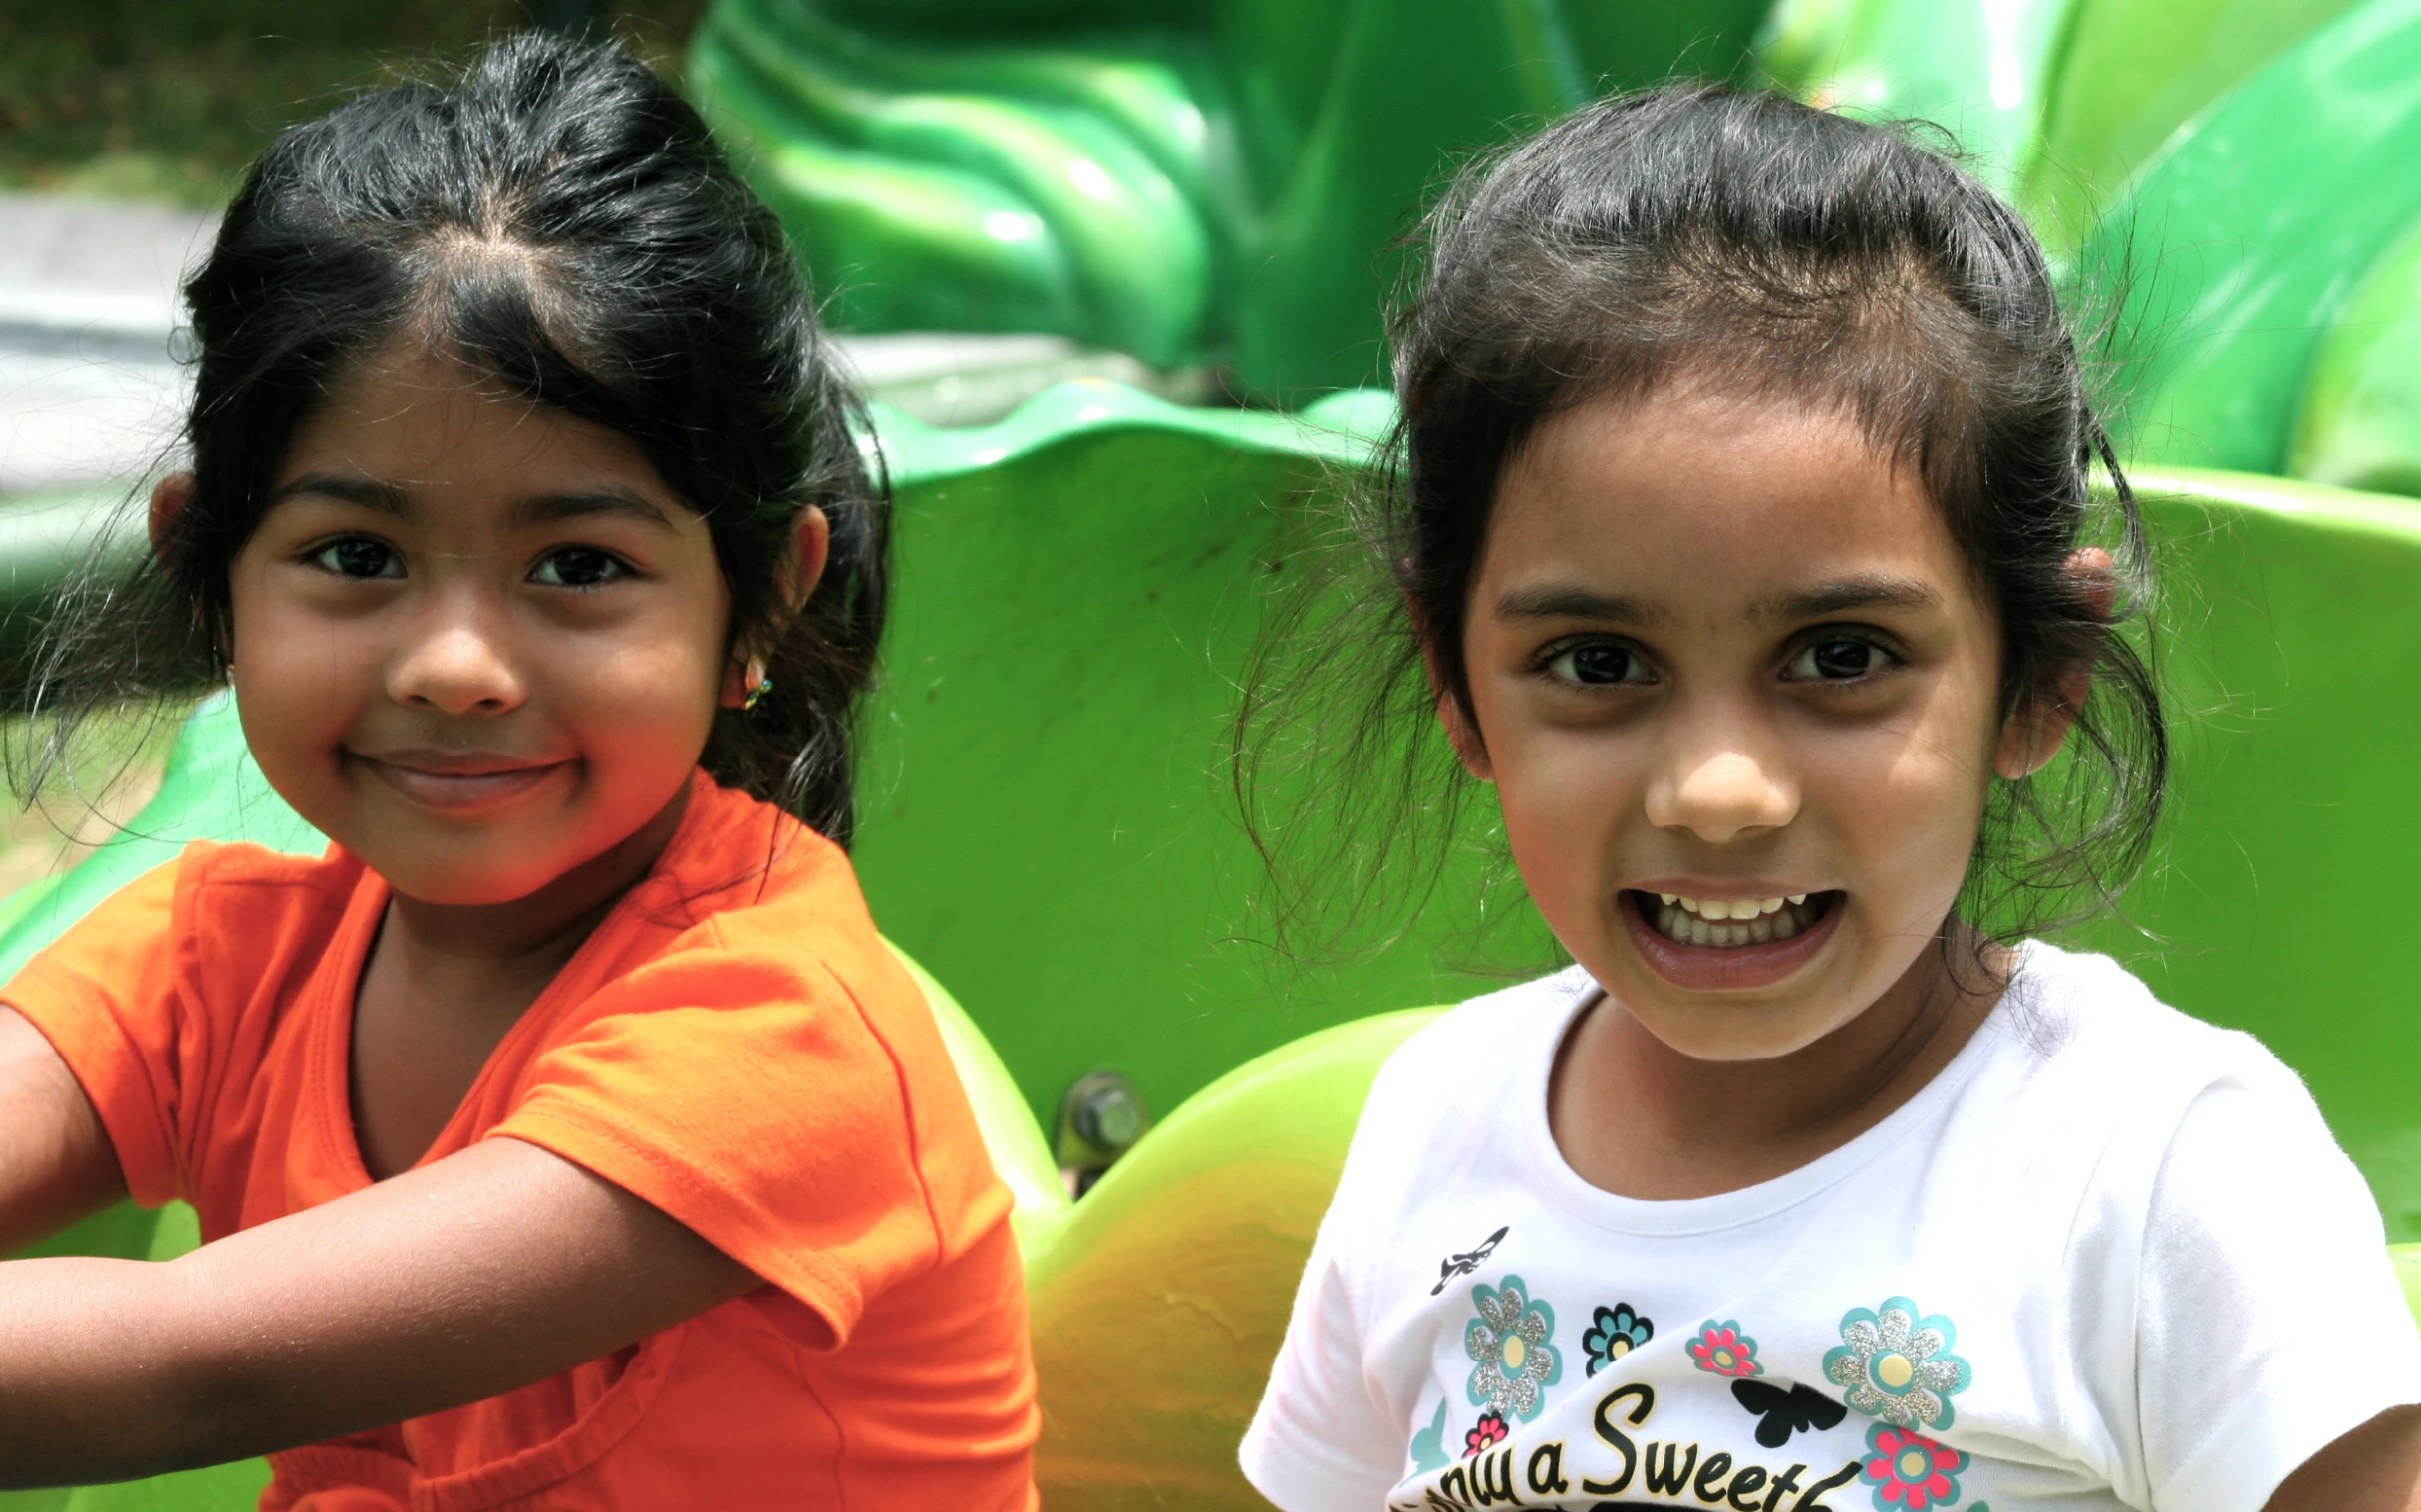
{"x": 563, "y": 1137}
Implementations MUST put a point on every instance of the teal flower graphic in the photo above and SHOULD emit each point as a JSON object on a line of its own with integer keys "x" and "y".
{"x": 1897, "y": 1365}
{"x": 1513, "y": 1362}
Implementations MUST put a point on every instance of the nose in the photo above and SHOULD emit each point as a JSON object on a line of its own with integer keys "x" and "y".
{"x": 1720, "y": 781}
{"x": 456, "y": 658}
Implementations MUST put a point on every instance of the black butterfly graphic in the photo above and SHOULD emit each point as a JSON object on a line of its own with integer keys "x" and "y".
{"x": 1468, "y": 1261}
{"x": 1783, "y": 1414}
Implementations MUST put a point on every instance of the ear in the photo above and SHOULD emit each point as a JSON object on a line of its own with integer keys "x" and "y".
{"x": 168, "y": 502}
{"x": 1461, "y": 733}
{"x": 811, "y": 553}
{"x": 2035, "y": 732}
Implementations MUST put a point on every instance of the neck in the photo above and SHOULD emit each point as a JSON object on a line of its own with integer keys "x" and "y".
{"x": 1639, "y": 1117}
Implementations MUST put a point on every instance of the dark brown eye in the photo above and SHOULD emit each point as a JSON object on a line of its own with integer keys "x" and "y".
{"x": 1837, "y": 661}
{"x": 1598, "y": 665}
{"x": 577, "y": 568}
{"x": 358, "y": 556}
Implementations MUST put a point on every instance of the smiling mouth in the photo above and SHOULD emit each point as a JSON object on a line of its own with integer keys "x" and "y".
{"x": 458, "y": 782}
{"x": 1731, "y": 923}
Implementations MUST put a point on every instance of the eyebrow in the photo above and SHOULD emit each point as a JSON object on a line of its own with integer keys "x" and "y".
{"x": 1571, "y": 601}
{"x": 553, "y": 508}
{"x": 538, "y": 509}
{"x": 386, "y": 499}
{"x": 1872, "y": 591}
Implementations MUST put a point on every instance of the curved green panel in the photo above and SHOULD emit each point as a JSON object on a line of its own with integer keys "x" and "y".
{"x": 2128, "y": 74}
{"x": 1215, "y": 184}
{"x": 2293, "y": 652}
{"x": 2360, "y": 423}
{"x": 1980, "y": 68}
{"x": 2248, "y": 233}
{"x": 1158, "y": 1308}
{"x": 986, "y": 188}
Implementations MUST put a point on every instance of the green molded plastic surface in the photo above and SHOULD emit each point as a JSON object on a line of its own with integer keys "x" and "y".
{"x": 2295, "y": 660}
{"x": 2128, "y": 74}
{"x": 2360, "y": 423}
{"x": 1980, "y": 68}
{"x": 1212, "y": 182}
{"x": 2250, "y": 228}
{"x": 1159, "y": 1304}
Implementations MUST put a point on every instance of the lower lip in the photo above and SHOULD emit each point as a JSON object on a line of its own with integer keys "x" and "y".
{"x": 1738, "y": 967}
{"x": 462, "y": 793}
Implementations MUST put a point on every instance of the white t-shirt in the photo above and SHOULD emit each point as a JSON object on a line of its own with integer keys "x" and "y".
{"x": 2110, "y": 1257}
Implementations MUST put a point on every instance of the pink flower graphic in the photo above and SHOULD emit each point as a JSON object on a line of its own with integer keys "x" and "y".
{"x": 1910, "y": 1472}
{"x": 1722, "y": 1350}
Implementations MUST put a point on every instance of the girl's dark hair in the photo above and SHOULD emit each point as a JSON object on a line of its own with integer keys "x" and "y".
{"x": 1753, "y": 245}
{"x": 560, "y": 220}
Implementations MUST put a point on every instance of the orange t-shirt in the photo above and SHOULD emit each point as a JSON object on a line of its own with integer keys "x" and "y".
{"x": 733, "y": 1043}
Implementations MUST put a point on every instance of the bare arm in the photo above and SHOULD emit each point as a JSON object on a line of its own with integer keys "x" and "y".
{"x": 56, "y": 1165}
{"x": 2375, "y": 1468}
{"x": 477, "y": 1274}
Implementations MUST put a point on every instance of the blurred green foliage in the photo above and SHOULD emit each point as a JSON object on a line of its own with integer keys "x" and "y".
{"x": 171, "y": 99}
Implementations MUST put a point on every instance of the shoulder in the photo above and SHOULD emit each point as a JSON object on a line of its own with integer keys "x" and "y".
{"x": 772, "y": 909}
{"x": 221, "y": 908}
{"x": 1448, "y": 1088}
{"x": 1474, "y": 1045}
{"x": 2085, "y": 1024}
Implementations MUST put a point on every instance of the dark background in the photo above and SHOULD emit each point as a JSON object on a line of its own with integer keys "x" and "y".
{"x": 168, "y": 100}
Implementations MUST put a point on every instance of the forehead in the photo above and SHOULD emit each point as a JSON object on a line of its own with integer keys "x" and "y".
{"x": 1710, "y": 504}
{"x": 423, "y": 422}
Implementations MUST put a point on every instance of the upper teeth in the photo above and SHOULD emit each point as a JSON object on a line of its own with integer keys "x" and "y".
{"x": 1731, "y": 908}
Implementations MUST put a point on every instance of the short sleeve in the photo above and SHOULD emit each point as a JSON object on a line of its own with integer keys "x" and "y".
{"x": 106, "y": 994}
{"x": 2270, "y": 1322}
{"x": 804, "y": 1121}
{"x": 1319, "y": 1441}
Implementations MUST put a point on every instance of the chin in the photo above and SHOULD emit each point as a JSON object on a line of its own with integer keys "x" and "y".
{"x": 464, "y": 884}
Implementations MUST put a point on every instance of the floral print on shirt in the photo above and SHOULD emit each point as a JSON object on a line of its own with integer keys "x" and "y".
{"x": 1514, "y": 1361}
{"x": 1896, "y": 1365}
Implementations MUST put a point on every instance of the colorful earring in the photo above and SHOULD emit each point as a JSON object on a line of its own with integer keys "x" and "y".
{"x": 759, "y": 683}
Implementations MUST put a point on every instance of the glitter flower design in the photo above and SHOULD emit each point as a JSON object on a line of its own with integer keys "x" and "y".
{"x": 1615, "y": 1333}
{"x": 1909, "y": 1471}
{"x": 1513, "y": 1362}
{"x": 1490, "y": 1432}
{"x": 1722, "y": 1350}
{"x": 1896, "y": 1365}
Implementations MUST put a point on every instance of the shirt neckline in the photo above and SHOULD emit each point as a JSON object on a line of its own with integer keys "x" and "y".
{"x": 340, "y": 980}
{"x": 1572, "y": 1195}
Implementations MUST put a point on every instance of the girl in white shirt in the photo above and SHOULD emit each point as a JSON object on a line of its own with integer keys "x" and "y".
{"x": 1741, "y": 538}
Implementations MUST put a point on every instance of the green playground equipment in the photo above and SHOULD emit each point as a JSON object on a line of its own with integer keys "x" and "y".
{"x": 1209, "y": 182}
{"x": 1046, "y": 833}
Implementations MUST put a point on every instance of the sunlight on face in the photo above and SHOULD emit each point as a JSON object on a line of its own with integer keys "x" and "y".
{"x": 1739, "y": 699}
{"x": 476, "y": 643}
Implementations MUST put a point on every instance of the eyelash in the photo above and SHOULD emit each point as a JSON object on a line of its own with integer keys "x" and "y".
{"x": 1823, "y": 636}
{"x": 1832, "y": 634}
{"x": 319, "y": 556}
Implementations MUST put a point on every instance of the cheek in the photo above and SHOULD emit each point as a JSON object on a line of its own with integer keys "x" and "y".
{"x": 1909, "y": 797}
{"x": 1564, "y": 795}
